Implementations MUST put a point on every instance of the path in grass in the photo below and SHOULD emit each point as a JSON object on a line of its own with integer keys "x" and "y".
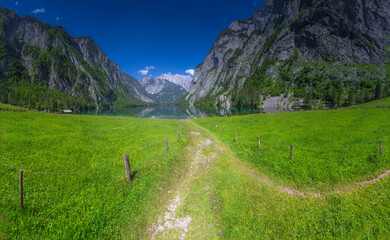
{"x": 192, "y": 206}
{"x": 193, "y": 210}
{"x": 293, "y": 191}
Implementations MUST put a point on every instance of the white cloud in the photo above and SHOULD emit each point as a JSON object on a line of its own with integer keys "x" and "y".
{"x": 58, "y": 18}
{"x": 143, "y": 72}
{"x": 149, "y": 67}
{"x": 190, "y": 71}
{"x": 146, "y": 70}
{"x": 39, "y": 10}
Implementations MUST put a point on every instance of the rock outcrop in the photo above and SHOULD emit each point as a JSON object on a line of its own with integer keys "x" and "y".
{"x": 291, "y": 39}
{"x": 181, "y": 80}
{"x": 161, "y": 90}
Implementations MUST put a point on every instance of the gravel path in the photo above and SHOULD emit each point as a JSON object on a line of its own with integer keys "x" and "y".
{"x": 175, "y": 222}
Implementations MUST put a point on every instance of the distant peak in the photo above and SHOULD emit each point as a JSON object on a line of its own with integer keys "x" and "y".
{"x": 181, "y": 80}
{"x": 146, "y": 78}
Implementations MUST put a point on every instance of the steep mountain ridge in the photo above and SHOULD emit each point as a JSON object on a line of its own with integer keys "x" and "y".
{"x": 162, "y": 90}
{"x": 297, "y": 49}
{"x": 181, "y": 80}
{"x": 73, "y": 67}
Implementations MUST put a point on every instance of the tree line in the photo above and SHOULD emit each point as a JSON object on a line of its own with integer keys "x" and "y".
{"x": 17, "y": 89}
{"x": 314, "y": 86}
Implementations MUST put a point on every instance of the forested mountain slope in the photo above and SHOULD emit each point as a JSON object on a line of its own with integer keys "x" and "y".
{"x": 43, "y": 67}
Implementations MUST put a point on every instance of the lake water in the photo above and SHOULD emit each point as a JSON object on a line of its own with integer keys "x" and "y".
{"x": 184, "y": 113}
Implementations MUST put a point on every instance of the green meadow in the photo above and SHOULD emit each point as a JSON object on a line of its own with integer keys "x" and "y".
{"x": 331, "y": 148}
{"x": 74, "y": 177}
{"x": 75, "y": 185}
{"x": 333, "y": 152}
{"x": 256, "y": 210}
{"x": 7, "y": 106}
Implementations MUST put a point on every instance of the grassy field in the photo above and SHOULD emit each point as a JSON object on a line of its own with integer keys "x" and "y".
{"x": 2, "y": 105}
{"x": 74, "y": 178}
{"x": 75, "y": 185}
{"x": 374, "y": 104}
{"x": 253, "y": 209}
{"x": 331, "y": 148}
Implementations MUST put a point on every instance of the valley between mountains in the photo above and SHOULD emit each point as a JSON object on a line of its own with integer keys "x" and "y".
{"x": 282, "y": 132}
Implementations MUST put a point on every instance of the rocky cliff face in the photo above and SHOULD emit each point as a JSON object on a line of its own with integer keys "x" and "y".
{"x": 151, "y": 85}
{"x": 75, "y": 66}
{"x": 290, "y": 40}
{"x": 161, "y": 90}
{"x": 181, "y": 80}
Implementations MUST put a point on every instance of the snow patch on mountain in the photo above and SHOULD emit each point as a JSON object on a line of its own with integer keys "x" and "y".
{"x": 181, "y": 80}
{"x": 161, "y": 90}
{"x": 152, "y": 86}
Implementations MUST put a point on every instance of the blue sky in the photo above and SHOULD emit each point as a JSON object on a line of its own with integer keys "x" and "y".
{"x": 169, "y": 36}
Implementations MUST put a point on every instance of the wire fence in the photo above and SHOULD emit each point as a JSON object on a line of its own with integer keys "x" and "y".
{"x": 129, "y": 175}
{"x": 246, "y": 138}
{"x": 252, "y": 142}
{"x": 132, "y": 152}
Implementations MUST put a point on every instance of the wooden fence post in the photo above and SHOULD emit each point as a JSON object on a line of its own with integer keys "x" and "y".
{"x": 21, "y": 189}
{"x": 258, "y": 142}
{"x": 291, "y": 151}
{"x": 166, "y": 144}
{"x": 380, "y": 147}
{"x": 127, "y": 168}
{"x": 179, "y": 136}
{"x": 236, "y": 136}
{"x": 223, "y": 131}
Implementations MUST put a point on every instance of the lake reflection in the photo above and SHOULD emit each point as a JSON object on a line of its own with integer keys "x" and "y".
{"x": 184, "y": 113}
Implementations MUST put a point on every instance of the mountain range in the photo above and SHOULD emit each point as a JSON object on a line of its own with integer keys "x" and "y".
{"x": 162, "y": 90}
{"x": 181, "y": 80}
{"x": 307, "y": 51}
{"x": 291, "y": 52}
{"x": 42, "y": 66}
